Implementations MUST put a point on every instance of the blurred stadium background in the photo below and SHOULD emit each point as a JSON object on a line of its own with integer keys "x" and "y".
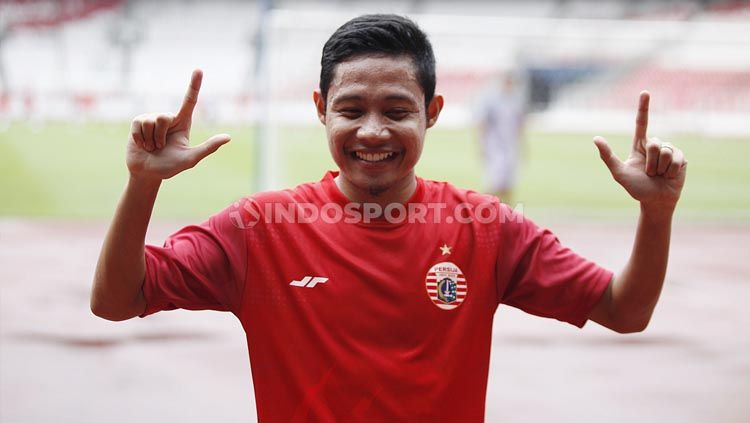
{"x": 74, "y": 72}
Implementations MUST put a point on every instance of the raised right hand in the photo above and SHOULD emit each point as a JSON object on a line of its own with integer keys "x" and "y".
{"x": 159, "y": 144}
{"x": 654, "y": 172}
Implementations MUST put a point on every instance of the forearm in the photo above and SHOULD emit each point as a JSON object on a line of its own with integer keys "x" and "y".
{"x": 636, "y": 290}
{"x": 117, "y": 289}
{"x": 654, "y": 175}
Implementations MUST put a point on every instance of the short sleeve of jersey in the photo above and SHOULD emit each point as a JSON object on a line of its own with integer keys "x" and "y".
{"x": 540, "y": 276}
{"x": 200, "y": 267}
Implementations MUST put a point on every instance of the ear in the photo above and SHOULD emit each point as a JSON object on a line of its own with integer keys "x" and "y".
{"x": 320, "y": 106}
{"x": 433, "y": 109}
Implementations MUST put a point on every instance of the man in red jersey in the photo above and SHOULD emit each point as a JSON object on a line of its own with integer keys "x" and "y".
{"x": 369, "y": 295}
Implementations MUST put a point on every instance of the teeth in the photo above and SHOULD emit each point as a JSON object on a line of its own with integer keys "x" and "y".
{"x": 373, "y": 157}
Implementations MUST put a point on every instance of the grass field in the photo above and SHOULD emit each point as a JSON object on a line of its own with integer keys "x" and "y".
{"x": 78, "y": 171}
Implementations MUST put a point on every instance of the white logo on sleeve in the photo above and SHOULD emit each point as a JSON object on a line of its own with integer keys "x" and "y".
{"x": 309, "y": 281}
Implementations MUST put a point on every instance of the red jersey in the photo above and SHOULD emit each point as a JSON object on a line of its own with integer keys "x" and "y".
{"x": 381, "y": 320}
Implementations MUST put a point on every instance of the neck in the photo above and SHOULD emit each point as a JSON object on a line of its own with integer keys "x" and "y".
{"x": 397, "y": 193}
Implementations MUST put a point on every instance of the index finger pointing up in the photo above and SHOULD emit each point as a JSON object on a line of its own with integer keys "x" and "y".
{"x": 641, "y": 119}
{"x": 191, "y": 97}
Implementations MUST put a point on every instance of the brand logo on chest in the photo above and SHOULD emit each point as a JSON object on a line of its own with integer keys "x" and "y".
{"x": 446, "y": 285}
{"x": 309, "y": 281}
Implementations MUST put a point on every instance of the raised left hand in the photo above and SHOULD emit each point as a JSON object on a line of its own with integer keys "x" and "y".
{"x": 654, "y": 172}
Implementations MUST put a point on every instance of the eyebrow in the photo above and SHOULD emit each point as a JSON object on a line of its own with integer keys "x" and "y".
{"x": 350, "y": 97}
{"x": 357, "y": 97}
{"x": 400, "y": 97}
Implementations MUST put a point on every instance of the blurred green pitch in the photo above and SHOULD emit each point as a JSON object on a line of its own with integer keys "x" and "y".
{"x": 78, "y": 171}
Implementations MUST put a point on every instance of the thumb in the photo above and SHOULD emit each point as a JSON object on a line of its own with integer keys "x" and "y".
{"x": 608, "y": 156}
{"x": 199, "y": 152}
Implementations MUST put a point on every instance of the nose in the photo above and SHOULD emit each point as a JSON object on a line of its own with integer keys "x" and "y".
{"x": 373, "y": 129}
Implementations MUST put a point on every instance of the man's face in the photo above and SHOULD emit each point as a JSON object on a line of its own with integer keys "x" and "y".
{"x": 376, "y": 121}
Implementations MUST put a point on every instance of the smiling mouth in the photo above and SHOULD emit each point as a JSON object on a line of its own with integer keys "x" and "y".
{"x": 374, "y": 157}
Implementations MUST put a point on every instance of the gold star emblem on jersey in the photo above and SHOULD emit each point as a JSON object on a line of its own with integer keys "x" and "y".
{"x": 445, "y": 249}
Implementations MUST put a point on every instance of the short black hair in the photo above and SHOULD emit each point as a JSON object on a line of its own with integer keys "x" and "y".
{"x": 379, "y": 34}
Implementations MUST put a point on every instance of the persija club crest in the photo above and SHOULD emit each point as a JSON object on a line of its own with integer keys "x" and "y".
{"x": 446, "y": 285}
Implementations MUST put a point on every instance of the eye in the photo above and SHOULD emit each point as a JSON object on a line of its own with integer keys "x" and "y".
{"x": 350, "y": 113}
{"x": 397, "y": 114}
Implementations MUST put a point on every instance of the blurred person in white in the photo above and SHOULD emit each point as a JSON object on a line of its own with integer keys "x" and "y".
{"x": 384, "y": 320}
{"x": 502, "y": 115}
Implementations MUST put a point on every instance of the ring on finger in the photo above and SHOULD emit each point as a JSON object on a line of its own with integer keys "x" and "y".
{"x": 666, "y": 145}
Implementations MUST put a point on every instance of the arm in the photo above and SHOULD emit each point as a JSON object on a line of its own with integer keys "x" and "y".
{"x": 116, "y": 294}
{"x": 653, "y": 174}
{"x": 158, "y": 148}
{"x": 630, "y": 299}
